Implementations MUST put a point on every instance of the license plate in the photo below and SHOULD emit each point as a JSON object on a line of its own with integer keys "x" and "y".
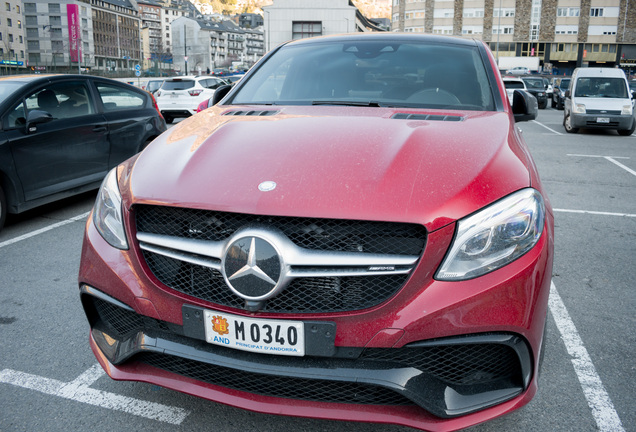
{"x": 279, "y": 337}
{"x": 174, "y": 95}
{"x": 602, "y": 120}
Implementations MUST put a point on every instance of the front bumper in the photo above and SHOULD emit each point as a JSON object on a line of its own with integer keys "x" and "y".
{"x": 602, "y": 121}
{"x": 437, "y": 356}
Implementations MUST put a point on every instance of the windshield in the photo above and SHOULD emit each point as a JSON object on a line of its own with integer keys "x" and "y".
{"x": 371, "y": 73}
{"x": 601, "y": 87}
{"x": 513, "y": 84}
{"x": 177, "y": 84}
{"x": 7, "y": 88}
{"x": 534, "y": 83}
{"x": 564, "y": 84}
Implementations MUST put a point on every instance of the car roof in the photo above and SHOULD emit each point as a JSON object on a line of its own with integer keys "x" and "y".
{"x": 387, "y": 37}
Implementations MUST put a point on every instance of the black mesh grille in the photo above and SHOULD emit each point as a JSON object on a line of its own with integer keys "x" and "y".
{"x": 304, "y": 295}
{"x": 122, "y": 321}
{"x": 310, "y": 233}
{"x": 277, "y": 386}
{"x": 455, "y": 364}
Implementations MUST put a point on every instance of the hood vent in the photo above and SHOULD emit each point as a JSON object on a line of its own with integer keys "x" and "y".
{"x": 251, "y": 113}
{"x": 432, "y": 117}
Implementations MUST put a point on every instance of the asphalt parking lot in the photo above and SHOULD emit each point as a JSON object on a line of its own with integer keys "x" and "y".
{"x": 49, "y": 379}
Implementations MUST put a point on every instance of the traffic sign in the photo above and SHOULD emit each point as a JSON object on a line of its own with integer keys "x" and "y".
{"x": 137, "y": 73}
{"x": 137, "y": 67}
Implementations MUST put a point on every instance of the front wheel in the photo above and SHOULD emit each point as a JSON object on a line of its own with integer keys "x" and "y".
{"x": 628, "y": 132}
{"x": 3, "y": 208}
{"x": 567, "y": 124}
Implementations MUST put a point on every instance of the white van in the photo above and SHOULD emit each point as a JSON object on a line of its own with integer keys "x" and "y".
{"x": 599, "y": 98}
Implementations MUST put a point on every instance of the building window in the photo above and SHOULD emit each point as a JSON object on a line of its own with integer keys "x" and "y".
{"x": 473, "y": 13}
{"x": 596, "y": 12}
{"x": 9, "y": 23}
{"x": 8, "y": 6}
{"x": 503, "y": 29}
{"x": 566, "y": 29}
{"x": 443, "y": 13}
{"x": 568, "y": 12}
{"x": 306, "y": 29}
{"x": 504, "y": 13}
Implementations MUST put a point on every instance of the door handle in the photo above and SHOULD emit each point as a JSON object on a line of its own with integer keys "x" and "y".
{"x": 99, "y": 128}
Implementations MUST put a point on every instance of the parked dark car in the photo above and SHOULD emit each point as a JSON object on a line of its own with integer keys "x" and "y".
{"x": 537, "y": 87}
{"x": 356, "y": 231}
{"x": 558, "y": 94}
{"x": 61, "y": 134}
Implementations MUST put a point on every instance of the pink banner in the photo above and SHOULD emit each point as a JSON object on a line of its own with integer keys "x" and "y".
{"x": 74, "y": 39}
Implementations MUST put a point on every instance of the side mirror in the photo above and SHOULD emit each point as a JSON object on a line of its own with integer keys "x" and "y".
{"x": 36, "y": 117}
{"x": 567, "y": 93}
{"x": 220, "y": 93}
{"x": 524, "y": 106}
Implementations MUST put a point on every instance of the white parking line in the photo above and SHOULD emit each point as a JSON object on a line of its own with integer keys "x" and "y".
{"x": 78, "y": 390}
{"x": 594, "y": 213}
{"x": 612, "y": 159}
{"x": 597, "y": 398}
{"x": 550, "y": 129}
{"x": 45, "y": 229}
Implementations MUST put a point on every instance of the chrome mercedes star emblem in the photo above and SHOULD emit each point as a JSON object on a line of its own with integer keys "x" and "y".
{"x": 252, "y": 268}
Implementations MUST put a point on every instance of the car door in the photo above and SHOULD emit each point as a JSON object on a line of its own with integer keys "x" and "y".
{"x": 67, "y": 152}
{"x": 131, "y": 119}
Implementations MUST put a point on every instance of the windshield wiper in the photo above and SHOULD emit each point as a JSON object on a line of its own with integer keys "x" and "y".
{"x": 348, "y": 103}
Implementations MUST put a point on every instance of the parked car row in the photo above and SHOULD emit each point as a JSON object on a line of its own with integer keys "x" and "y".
{"x": 537, "y": 86}
{"x": 182, "y": 96}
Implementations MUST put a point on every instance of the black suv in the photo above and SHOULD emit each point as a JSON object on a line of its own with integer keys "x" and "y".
{"x": 537, "y": 87}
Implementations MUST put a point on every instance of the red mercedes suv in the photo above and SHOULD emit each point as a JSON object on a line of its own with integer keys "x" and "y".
{"x": 356, "y": 230}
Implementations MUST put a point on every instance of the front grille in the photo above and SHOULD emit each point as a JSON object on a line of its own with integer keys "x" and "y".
{"x": 603, "y": 112}
{"x": 310, "y": 233}
{"x": 455, "y": 364}
{"x": 304, "y": 294}
{"x": 276, "y": 386}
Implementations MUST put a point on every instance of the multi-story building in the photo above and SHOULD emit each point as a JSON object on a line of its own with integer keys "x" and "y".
{"x": 563, "y": 34}
{"x": 297, "y": 19}
{"x": 12, "y": 41}
{"x": 152, "y": 45}
{"x": 199, "y": 45}
{"x": 117, "y": 35}
{"x": 59, "y": 35}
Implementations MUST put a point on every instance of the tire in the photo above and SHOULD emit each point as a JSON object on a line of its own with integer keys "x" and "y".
{"x": 3, "y": 208}
{"x": 552, "y": 103}
{"x": 567, "y": 124}
{"x": 543, "y": 105}
{"x": 627, "y": 132}
{"x": 559, "y": 105}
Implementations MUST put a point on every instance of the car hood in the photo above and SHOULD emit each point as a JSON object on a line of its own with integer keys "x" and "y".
{"x": 334, "y": 162}
{"x": 600, "y": 104}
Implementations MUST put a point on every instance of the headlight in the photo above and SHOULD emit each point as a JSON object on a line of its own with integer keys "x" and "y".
{"x": 107, "y": 214}
{"x": 627, "y": 110}
{"x": 494, "y": 236}
{"x": 579, "y": 109}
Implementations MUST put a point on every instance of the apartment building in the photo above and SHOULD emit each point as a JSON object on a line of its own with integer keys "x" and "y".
{"x": 199, "y": 45}
{"x": 564, "y": 34}
{"x": 12, "y": 41}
